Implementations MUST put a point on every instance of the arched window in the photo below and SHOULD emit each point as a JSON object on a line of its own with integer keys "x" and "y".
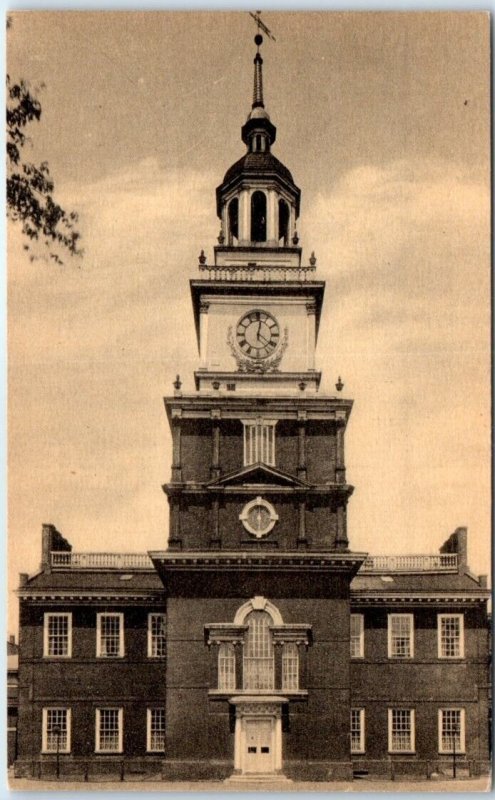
{"x": 283, "y": 222}
{"x": 233, "y": 220}
{"x": 258, "y": 664}
{"x": 258, "y": 217}
{"x": 226, "y": 667}
{"x": 290, "y": 667}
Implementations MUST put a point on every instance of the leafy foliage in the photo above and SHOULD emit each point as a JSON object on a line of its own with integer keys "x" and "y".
{"x": 29, "y": 187}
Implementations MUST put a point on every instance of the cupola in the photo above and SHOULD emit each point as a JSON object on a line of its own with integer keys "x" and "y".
{"x": 258, "y": 201}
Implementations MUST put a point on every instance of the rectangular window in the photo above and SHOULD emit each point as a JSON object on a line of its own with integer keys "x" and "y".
{"x": 357, "y": 635}
{"x": 400, "y": 635}
{"x": 451, "y": 734}
{"x": 157, "y": 639}
{"x": 156, "y": 730}
{"x": 357, "y": 730}
{"x": 451, "y": 636}
{"x": 110, "y": 635}
{"x": 109, "y": 730}
{"x": 259, "y": 441}
{"x": 57, "y": 635}
{"x": 56, "y": 730}
{"x": 226, "y": 667}
{"x": 401, "y": 730}
{"x": 290, "y": 667}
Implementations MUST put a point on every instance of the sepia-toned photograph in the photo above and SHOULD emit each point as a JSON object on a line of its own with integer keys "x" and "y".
{"x": 249, "y": 409}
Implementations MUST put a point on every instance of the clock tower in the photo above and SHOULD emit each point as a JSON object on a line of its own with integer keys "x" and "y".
{"x": 258, "y": 564}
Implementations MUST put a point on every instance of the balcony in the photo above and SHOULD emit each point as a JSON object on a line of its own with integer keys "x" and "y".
{"x": 104, "y": 561}
{"x": 257, "y": 273}
{"x": 444, "y": 562}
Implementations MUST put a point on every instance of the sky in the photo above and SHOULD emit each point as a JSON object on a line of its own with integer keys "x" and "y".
{"x": 383, "y": 120}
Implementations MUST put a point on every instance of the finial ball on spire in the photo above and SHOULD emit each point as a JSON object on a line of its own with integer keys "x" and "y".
{"x": 258, "y": 39}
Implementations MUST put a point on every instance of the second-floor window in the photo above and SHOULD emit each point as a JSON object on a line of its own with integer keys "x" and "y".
{"x": 400, "y": 635}
{"x": 57, "y": 635}
{"x": 451, "y": 636}
{"x": 157, "y": 635}
{"x": 259, "y": 441}
{"x": 357, "y": 635}
{"x": 110, "y": 635}
{"x": 258, "y": 662}
{"x": 290, "y": 667}
{"x": 226, "y": 667}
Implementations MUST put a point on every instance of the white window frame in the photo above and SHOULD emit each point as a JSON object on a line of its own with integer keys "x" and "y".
{"x": 46, "y": 639}
{"x": 253, "y": 441}
{"x": 226, "y": 678}
{"x": 120, "y": 732}
{"x": 120, "y": 616}
{"x": 410, "y": 617}
{"x": 163, "y": 616}
{"x": 359, "y": 637}
{"x": 462, "y": 733}
{"x": 362, "y": 738}
{"x": 441, "y": 617}
{"x": 44, "y": 730}
{"x": 412, "y": 717}
{"x": 290, "y": 667}
{"x": 149, "y": 715}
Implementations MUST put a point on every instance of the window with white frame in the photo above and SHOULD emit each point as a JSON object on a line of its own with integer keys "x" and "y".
{"x": 226, "y": 667}
{"x": 57, "y": 635}
{"x": 357, "y": 730}
{"x": 400, "y": 635}
{"x": 401, "y": 730}
{"x": 109, "y": 730}
{"x": 451, "y": 635}
{"x": 258, "y": 663}
{"x": 451, "y": 733}
{"x": 155, "y": 742}
{"x": 357, "y": 635}
{"x": 110, "y": 635}
{"x": 290, "y": 667}
{"x": 56, "y": 730}
{"x": 259, "y": 441}
{"x": 157, "y": 639}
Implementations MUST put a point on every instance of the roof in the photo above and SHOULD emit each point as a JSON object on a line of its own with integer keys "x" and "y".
{"x": 257, "y": 162}
{"x": 91, "y": 580}
{"x": 416, "y": 583}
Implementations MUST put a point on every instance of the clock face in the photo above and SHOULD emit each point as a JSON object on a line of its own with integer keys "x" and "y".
{"x": 258, "y": 517}
{"x": 257, "y": 334}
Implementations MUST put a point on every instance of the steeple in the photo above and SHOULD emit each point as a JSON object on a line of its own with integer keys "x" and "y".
{"x": 258, "y": 75}
{"x": 258, "y": 132}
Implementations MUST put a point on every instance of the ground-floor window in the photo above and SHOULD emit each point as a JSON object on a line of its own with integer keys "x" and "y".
{"x": 156, "y": 730}
{"x": 451, "y": 733}
{"x": 357, "y": 730}
{"x": 401, "y": 730}
{"x": 109, "y": 730}
{"x": 56, "y": 730}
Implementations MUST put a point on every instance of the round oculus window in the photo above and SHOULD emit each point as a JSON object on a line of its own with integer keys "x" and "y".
{"x": 258, "y": 517}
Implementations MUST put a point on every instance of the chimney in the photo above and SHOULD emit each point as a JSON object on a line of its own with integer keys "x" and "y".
{"x": 23, "y": 578}
{"x": 47, "y": 536}
{"x": 12, "y": 638}
{"x": 457, "y": 543}
{"x": 483, "y": 581}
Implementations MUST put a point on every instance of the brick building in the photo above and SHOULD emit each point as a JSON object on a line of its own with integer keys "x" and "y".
{"x": 258, "y": 645}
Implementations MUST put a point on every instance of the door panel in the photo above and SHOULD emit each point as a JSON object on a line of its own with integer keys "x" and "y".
{"x": 259, "y": 755}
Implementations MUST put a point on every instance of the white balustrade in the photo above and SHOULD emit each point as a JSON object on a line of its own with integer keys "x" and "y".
{"x": 101, "y": 560}
{"x": 443, "y": 562}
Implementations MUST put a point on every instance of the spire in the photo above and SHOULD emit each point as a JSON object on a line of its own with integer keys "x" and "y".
{"x": 258, "y": 75}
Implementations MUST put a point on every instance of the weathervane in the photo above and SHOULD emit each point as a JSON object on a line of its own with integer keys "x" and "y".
{"x": 261, "y": 26}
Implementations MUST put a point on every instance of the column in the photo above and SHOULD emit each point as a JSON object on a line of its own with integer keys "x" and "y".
{"x": 203, "y": 333}
{"x": 311, "y": 335}
{"x": 301, "y": 445}
{"x": 301, "y": 539}
{"x": 215, "y": 452}
{"x": 341, "y": 541}
{"x": 244, "y": 217}
{"x": 272, "y": 218}
{"x": 176, "y": 445}
{"x": 339, "y": 460}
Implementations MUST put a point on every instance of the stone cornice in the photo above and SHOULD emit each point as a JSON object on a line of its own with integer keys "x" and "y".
{"x": 412, "y": 598}
{"x": 254, "y": 489}
{"x": 254, "y": 562}
{"x": 329, "y": 408}
{"x": 75, "y": 595}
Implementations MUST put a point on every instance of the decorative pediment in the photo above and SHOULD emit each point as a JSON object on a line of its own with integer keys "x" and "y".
{"x": 258, "y": 474}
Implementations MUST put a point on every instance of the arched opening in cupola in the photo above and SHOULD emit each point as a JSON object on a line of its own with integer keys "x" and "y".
{"x": 258, "y": 217}
{"x": 283, "y": 223}
{"x": 233, "y": 213}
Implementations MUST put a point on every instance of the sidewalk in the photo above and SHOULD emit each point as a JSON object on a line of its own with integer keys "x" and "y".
{"x": 211, "y": 787}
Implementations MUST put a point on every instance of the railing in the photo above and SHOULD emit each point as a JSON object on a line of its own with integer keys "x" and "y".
{"x": 257, "y": 273}
{"x": 66, "y": 560}
{"x": 444, "y": 562}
